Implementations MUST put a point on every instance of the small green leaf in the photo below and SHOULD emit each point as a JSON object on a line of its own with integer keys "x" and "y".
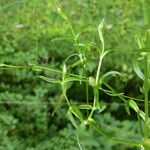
{"x": 72, "y": 120}
{"x": 49, "y": 79}
{"x": 111, "y": 73}
{"x": 133, "y": 105}
{"x": 127, "y": 107}
{"x": 142, "y": 114}
{"x": 137, "y": 69}
{"x": 75, "y": 110}
{"x": 71, "y": 79}
{"x": 94, "y": 125}
{"x": 111, "y": 93}
{"x": 100, "y": 32}
{"x": 85, "y": 107}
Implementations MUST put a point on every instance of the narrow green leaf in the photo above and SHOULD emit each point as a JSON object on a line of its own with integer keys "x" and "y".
{"x": 72, "y": 120}
{"x": 94, "y": 125}
{"x": 49, "y": 79}
{"x": 75, "y": 110}
{"x": 111, "y": 93}
{"x": 111, "y": 73}
{"x": 85, "y": 106}
{"x": 71, "y": 79}
{"x": 100, "y": 32}
{"x": 127, "y": 107}
{"x": 133, "y": 105}
{"x": 142, "y": 115}
{"x": 137, "y": 69}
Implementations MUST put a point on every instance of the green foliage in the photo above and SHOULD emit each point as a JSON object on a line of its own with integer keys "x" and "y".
{"x": 32, "y": 33}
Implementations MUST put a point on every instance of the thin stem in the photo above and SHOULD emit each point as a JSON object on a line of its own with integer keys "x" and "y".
{"x": 146, "y": 94}
{"x": 36, "y": 29}
{"x": 67, "y": 99}
{"x": 87, "y": 97}
{"x": 107, "y": 136}
{"x": 140, "y": 124}
{"x": 35, "y": 67}
{"x": 74, "y": 36}
{"x": 108, "y": 86}
{"x": 146, "y": 88}
{"x": 78, "y": 141}
{"x": 96, "y": 90}
{"x": 98, "y": 70}
{"x": 96, "y": 101}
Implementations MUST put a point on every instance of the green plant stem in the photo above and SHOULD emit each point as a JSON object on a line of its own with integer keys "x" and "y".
{"x": 140, "y": 124}
{"x": 87, "y": 97}
{"x": 98, "y": 70}
{"x": 78, "y": 141}
{"x": 67, "y": 99}
{"x": 36, "y": 29}
{"x": 108, "y": 86}
{"x": 74, "y": 36}
{"x": 146, "y": 94}
{"x": 107, "y": 136}
{"x": 34, "y": 67}
{"x": 123, "y": 99}
{"x": 146, "y": 88}
{"x": 96, "y": 90}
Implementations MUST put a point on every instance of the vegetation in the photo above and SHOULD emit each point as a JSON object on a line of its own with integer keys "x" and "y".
{"x": 98, "y": 72}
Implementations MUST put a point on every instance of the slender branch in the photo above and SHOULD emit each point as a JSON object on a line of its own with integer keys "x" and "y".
{"x": 107, "y": 136}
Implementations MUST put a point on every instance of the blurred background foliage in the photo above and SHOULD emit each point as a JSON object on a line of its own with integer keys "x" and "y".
{"x": 30, "y": 26}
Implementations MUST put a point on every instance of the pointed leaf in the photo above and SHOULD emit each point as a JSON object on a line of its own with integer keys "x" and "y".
{"x": 111, "y": 93}
{"x": 133, "y": 105}
{"x": 100, "y": 32}
{"x": 85, "y": 107}
{"x": 111, "y": 73}
{"x": 75, "y": 110}
{"x": 49, "y": 79}
{"x": 142, "y": 114}
{"x": 93, "y": 124}
{"x": 127, "y": 107}
{"x": 137, "y": 69}
{"x": 71, "y": 79}
{"x": 72, "y": 120}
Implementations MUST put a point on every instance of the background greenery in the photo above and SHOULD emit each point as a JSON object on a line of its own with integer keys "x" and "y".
{"x": 27, "y": 27}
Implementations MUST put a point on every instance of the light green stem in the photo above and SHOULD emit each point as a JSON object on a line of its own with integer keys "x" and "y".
{"x": 98, "y": 70}
{"x": 146, "y": 94}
